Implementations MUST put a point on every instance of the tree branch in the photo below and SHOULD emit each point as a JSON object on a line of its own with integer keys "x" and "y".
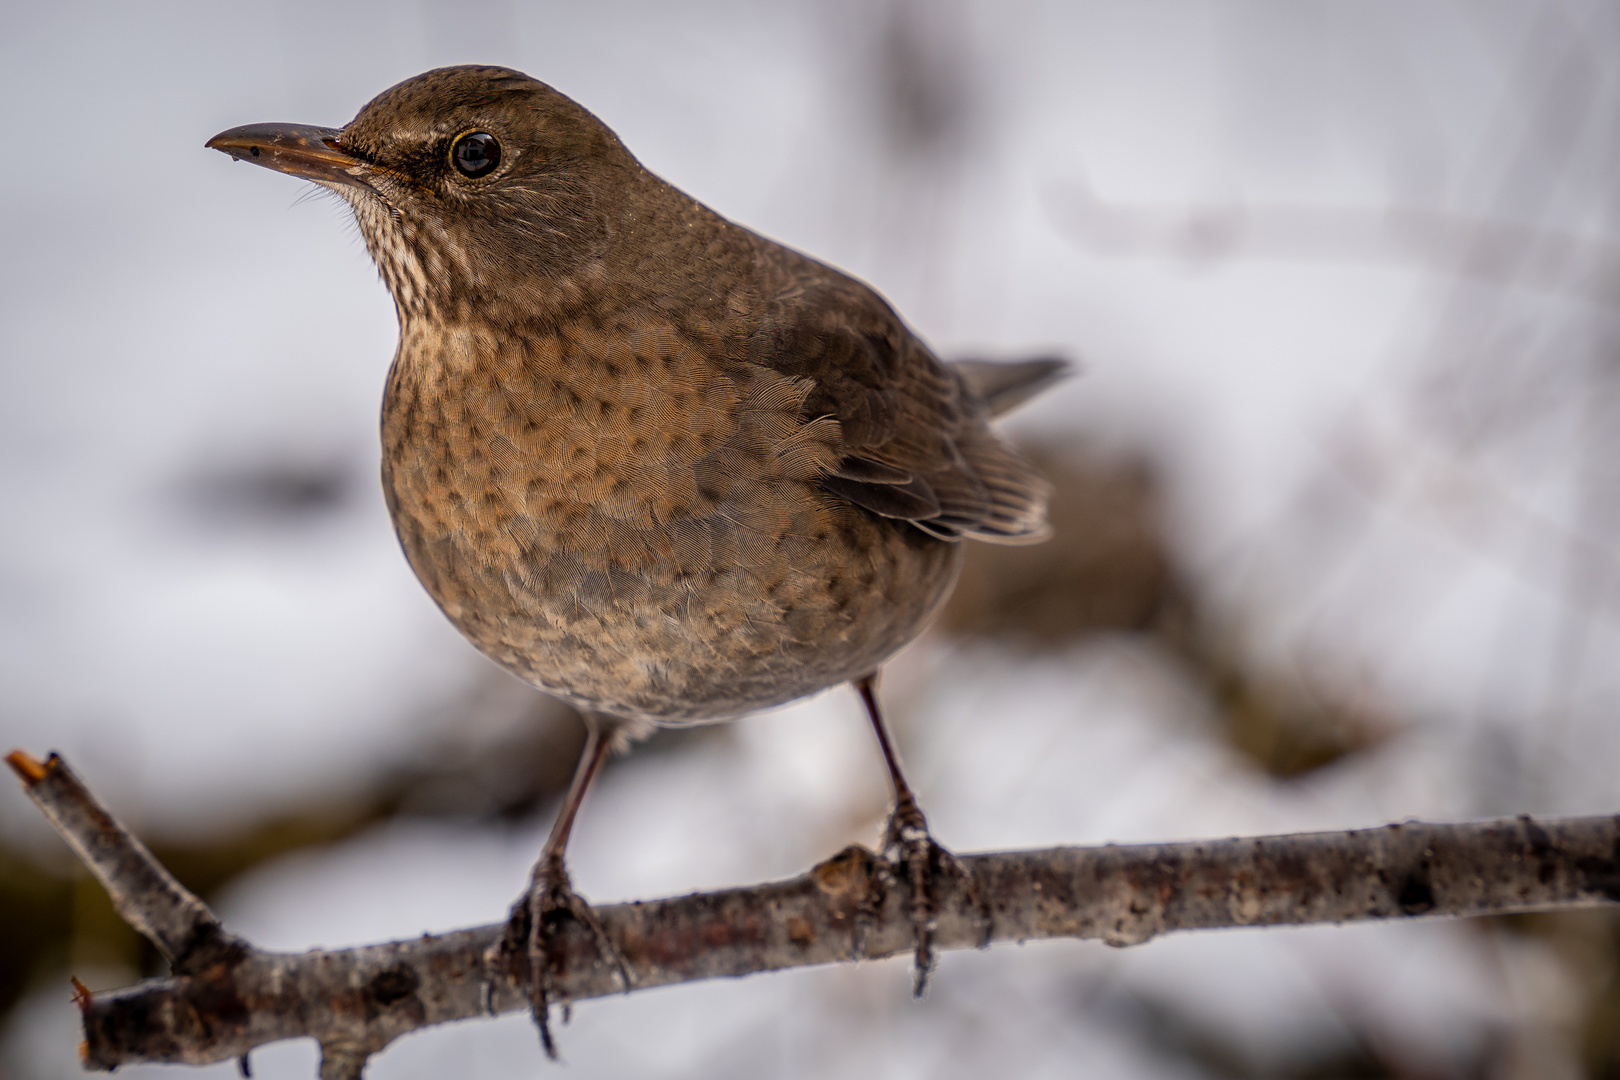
{"x": 227, "y": 997}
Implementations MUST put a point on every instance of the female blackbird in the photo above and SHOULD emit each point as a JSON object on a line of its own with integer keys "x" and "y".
{"x": 642, "y": 457}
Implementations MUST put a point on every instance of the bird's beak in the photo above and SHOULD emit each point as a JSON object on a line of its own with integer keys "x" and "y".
{"x": 311, "y": 152}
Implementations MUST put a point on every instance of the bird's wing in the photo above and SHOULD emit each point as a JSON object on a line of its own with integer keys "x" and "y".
{"x": 916, "y": 443}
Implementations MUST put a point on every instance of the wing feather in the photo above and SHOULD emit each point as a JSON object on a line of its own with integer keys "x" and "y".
{"x": 916, "y": 440}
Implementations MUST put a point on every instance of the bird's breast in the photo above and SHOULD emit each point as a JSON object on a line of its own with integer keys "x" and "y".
{"x": 623, "y": 515}
{"x": 608, "y": 447}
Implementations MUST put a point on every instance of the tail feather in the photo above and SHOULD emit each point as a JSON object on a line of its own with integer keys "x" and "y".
{"x": 1002, "y": 387}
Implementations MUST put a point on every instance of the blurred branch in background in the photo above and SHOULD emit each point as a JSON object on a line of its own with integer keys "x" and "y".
{"x": 1498, "y": 251}
{"x": 226, "y": 997}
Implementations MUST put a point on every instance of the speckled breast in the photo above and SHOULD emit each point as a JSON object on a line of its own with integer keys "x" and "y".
{"x": 622, "y": 521}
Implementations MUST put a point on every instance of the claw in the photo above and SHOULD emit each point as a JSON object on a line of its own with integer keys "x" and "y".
{"x": 531, "y": 933}
{"x": 907, "y": 843}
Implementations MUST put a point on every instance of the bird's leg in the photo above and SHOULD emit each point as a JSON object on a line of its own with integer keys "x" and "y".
{"x": 908, "y": 844}
{"x": 550, "y": 898}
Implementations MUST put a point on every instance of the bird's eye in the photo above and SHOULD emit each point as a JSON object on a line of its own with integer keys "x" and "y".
{"x": 476, "y": 154}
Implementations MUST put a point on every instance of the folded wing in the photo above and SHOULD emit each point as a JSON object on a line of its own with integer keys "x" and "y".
{"x": 917, "y": 444}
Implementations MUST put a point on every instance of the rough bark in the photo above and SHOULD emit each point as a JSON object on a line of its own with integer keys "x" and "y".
{"x": 227, "y": 997}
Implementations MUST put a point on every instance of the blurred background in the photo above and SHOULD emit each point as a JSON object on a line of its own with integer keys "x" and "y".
{"x": 1337, "y": 496}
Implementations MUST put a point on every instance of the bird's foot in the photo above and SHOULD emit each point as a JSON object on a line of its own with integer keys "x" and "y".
{"x": 530, "y": 947}
{"x": 910, "y": 852}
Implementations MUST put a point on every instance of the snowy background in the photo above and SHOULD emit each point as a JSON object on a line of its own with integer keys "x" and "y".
{"x": 1341, "y": 277}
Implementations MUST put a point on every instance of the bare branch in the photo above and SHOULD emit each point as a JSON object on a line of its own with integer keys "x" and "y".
{"x": 356, "y": 1001}
{"x": 145, "y": 895}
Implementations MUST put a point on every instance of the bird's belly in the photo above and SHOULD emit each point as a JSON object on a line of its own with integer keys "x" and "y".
{"x": 687, "y": 621}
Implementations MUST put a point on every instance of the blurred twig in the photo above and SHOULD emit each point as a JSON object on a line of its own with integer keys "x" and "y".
{"x": 1480, "y": 248}
{"x": 227, "y": 997}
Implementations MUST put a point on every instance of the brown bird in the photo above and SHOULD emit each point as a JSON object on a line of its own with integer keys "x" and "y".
{"x": 645, "y": 459}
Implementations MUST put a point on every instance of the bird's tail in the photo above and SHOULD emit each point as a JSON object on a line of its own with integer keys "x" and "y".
{"x": 1005, "y": 386}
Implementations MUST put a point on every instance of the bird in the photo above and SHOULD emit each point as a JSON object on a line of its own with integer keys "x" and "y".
{"x": 647, "y": 460}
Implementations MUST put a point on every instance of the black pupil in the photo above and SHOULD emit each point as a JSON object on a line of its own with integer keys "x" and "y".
{"x": 476, "y": 154}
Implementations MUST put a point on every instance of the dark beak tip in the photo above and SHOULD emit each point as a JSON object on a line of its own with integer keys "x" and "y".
{"x": 235, "y": 153}
{"x": 222, "y": 143}
{"x": 230, "y": 135}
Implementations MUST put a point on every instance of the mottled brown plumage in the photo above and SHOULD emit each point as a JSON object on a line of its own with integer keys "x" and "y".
{"x": 642, "y": 457}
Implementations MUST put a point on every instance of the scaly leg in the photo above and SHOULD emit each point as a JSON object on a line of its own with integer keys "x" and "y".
{"x": 550, "y": 899}
{"x": 908, "y": 843}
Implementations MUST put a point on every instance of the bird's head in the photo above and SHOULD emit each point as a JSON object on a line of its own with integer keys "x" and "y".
{"x": 475, "y": 187}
